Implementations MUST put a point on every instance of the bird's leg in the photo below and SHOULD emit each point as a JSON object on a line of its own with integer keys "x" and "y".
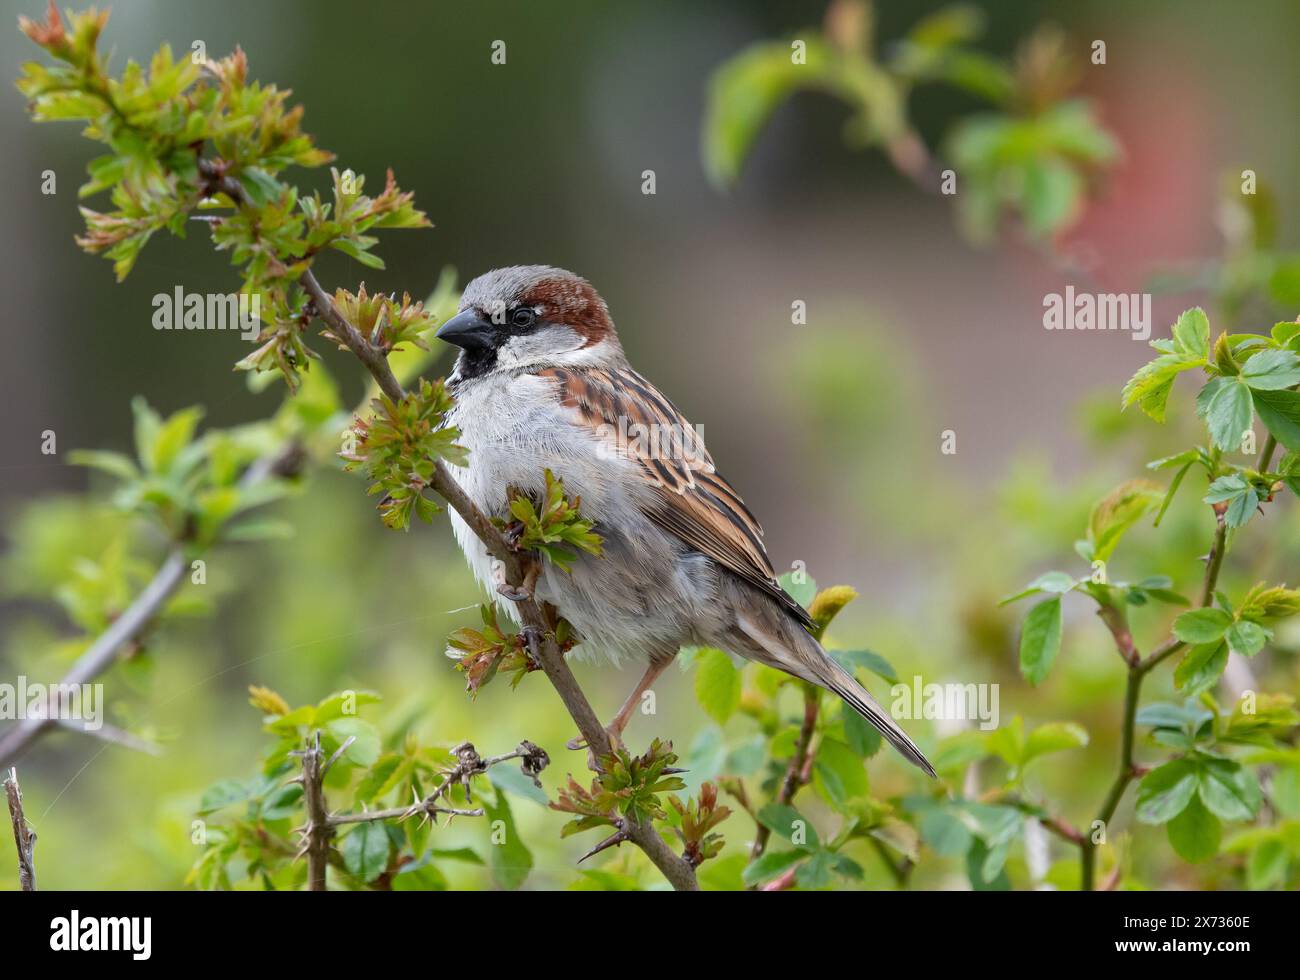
{"x": 615, "y": 728}
{"x": 624, "y": 715}
{"x": 532, "y": 569}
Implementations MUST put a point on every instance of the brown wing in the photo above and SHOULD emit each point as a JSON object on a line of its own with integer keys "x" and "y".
{"x": 693, "y": 502}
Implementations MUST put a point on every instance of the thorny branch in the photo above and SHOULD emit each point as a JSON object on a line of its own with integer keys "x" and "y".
{"x": 24, "y": 836}
{"x": 317, "y": 832}
{"x": 1138, "y": 668}
{"x": 470, "y": 763}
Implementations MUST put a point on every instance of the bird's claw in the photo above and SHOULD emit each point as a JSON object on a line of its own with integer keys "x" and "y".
{"x": 532, "y": 637}
{"x": 615, "y": 743}
{"x": 527, "y": 588}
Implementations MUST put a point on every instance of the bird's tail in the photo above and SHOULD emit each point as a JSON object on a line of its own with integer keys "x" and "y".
{"x": 838, "y": 680}
{"x": 789, "y": 647}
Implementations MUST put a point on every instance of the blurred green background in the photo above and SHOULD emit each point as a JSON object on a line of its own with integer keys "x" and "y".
{"x": 831, "y": 430}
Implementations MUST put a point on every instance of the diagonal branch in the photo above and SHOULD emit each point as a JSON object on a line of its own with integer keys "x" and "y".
{"x": 678, "y": 872}
{"x": 127, "y": 627}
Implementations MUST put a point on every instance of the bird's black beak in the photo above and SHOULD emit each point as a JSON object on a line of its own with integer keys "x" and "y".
{"x": 468, "y": 329}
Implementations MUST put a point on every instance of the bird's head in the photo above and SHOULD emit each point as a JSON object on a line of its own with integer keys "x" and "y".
{"x": 529, "y": 316}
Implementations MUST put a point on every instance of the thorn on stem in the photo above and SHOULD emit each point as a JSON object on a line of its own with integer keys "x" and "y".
{"x": 613, "y": 840}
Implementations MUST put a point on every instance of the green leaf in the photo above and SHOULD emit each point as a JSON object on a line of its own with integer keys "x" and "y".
{"x": 1008, "y": 742}
{"x": 466, "y": 854}
{"x": 817, "y": 871}
{"x": 1174, "y": 484}
{"x": 1289, "y": 468}
{"x": 1284, "y": 791}
{"x": 1280, "y": 412}
{"x": 1054, "y": 737}
{"x": 1051, "y": 195}
{"x": 365, "y": 748}
{"x": 1228, "y": 789}
{"x": 1195, "y": 833}
{"x": 147, "y": 425}
{"x": 1040, "y": 639}
{"x": 787, "y": 822}
{"x": 717, "y": 684}
{"x": 1201, "y": 667}
{"x": 770, "y": 865}
{"x": 381, "y": 779}
{"x": 223, "y": 794}
{"x": 417, "y": 877}
{"x": 365, "y": 851}
{"x": 1247, "y": 638}
{"x": 945, "y": 833}
{"x": 1202, "y": 625}
{"x": 1058, "y": 582}
{"x": 840, "y": 772}
{"x": 508, "y": 858}
{"x": 1192, "y": 333}
{"x": 1157, "y": 587}
{"x": 862, "y": 736}
{"x": 1119, "y": 510}
{"x": 1162, "y": 714}
{"x": 799, "y": 586}
{"x": 1165, "y": 791}
{"x": 872, "y": 661}
{"x": 260, "y": 185}
{"x": 1241, "y": 497}
{"x": 984, "y": 867}
{"x": 743, "y": 94}
{"x": 1151, "y": 385}
{"x": 282, "y": 803}
{"x": 173, "y": 436}
{"x": 1267, "y": 865}
{"x": 959, "y": 751}
{"x": 355, "y": 251}
{"x": 1225, "y": 405}
{"x": 1270, "y": 370}
{"x": 1283, "y": 332}
{"x": 341, "y": 704}
{"x": 1177, "y": 459}
{"x": 115, "y": 464}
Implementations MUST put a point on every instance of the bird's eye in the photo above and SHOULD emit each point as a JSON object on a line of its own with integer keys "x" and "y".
{"x": 523, "y": 317}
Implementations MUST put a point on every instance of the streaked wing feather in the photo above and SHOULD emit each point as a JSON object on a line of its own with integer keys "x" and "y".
{"x": 693, "y": 501}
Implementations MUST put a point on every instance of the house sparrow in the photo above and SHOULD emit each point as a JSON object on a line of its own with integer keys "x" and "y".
{"x": 541, "y": 382}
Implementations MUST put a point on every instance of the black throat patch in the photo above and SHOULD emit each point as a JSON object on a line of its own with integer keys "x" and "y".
{"x": 475, "y": 363}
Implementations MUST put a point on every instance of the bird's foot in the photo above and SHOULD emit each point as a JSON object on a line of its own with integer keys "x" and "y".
{"x": 532, "y": 641}
{"x": 527, "y": 588}
{"x": 615, "y": 733}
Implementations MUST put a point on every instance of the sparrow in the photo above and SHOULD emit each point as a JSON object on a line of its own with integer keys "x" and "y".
{"x": 541, "y": 382}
